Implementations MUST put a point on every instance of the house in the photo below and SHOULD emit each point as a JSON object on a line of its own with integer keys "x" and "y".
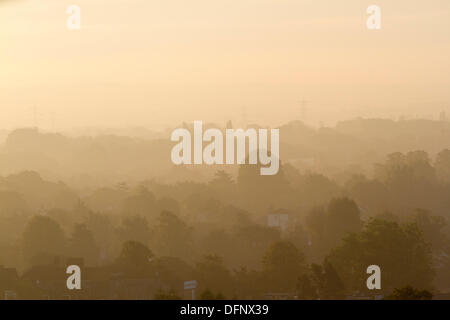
{"x": 278, "y": 219}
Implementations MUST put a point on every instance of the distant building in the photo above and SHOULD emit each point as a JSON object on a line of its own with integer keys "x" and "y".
{"x": 278, "y": 220}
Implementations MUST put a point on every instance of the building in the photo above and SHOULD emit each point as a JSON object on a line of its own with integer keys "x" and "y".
{"x": 279, "y": 219}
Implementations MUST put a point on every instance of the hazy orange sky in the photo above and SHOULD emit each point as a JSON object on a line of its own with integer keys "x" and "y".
{"x": 145, "y": 62}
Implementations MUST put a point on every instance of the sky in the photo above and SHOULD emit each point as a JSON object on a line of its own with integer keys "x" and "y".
{"x": 157, "y": 63}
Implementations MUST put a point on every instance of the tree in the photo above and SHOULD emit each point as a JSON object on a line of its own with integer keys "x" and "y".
{"x": 299, "y": 237}
{"x": 135, "y": 255}
{"x": 432, "y": 228}
{"x": 327, "y": 228}
{"x": 334, "y": 284}
{"x": 172, "y": 236}
{"x": 65, "y": 218}
{"x": 82, "y": 244}
{"x": 173, "y": 271}
{"x": 343, "y": 217}
{"x": 282, "y": 264}
{"x": 261, "y": 191}
{"x": 327, "y": 281}
{"x": 134, "y": 228}
{"x": 420, "y": 163}
{"x": 223, "y": 186}
{"x": 222, "y": 180}
{"x": 42, "y": 236}
{"x": 394, "y": 172}
{"x": 212, "y": 273}
{"x": 251, "y": 242}
{"x": 370, "y": 194}
{"x": 248, "y": 283}
{"x": 409, "y": 178}
{"x": 219, "y": 241}
{"x": 142, "y": 202}
{"x": 315, "y": 223}
{"x": 305, "y": 288}
{"x": 442, "y": 165}
{"x": 315, "y": 189}
{"x": 399, "y": 250}
{"x": 12, "y": 203}
{"x": 103, "y": 231}
{"x": 168, "y": 204}
{"x": 410, "y": 293}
